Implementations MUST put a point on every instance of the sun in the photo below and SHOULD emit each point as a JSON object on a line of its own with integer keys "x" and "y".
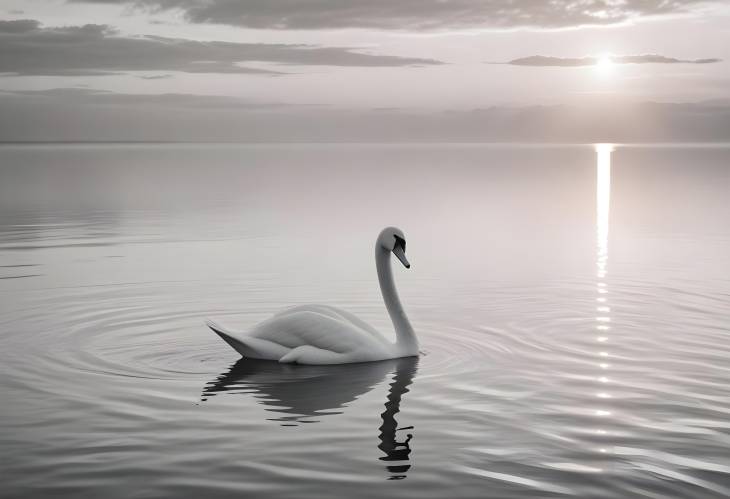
{"x": 604, "y": 64}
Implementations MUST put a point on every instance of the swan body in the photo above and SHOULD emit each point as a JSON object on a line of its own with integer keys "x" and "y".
{"x": 321, "y": 334}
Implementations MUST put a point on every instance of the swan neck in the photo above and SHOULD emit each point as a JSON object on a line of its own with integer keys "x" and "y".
{"x": 405, "y": 336}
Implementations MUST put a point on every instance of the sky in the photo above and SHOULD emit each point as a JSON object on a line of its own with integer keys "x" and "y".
{"x": 261, "y": 70}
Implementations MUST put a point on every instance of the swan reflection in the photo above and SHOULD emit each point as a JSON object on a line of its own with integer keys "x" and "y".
{"x": 300, "y": 394}
{"x": 397, "y": 451}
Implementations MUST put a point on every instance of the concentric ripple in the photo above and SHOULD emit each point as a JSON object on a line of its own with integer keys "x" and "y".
{"x": 570, "y": 403}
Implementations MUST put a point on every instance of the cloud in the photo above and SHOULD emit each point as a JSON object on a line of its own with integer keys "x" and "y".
{"x": 570, "y": 62}
{"x": 413, "y": 14}
{"x": 27, "y": 48}
{"x": 93, "y": 97}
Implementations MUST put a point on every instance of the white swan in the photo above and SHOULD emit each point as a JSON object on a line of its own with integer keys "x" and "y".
{"x": 320, "y": 334}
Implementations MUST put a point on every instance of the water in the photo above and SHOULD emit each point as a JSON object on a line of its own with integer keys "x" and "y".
{"x": 571, "y": 302}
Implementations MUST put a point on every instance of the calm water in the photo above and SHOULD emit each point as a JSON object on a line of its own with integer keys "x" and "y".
{"x": 573, "y": 305}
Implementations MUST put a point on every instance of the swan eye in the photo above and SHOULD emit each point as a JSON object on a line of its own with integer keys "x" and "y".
{"x": 399, "y": 250}
{"x": 399, "y": 241}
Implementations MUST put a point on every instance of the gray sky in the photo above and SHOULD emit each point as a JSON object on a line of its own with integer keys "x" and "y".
{"x": 361, "y": 62}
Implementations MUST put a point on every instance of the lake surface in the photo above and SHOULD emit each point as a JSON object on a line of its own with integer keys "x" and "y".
{"x": 572, "y": 304}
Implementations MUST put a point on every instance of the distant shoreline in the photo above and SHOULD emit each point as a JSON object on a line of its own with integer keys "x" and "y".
{"x": 343, "y": 143}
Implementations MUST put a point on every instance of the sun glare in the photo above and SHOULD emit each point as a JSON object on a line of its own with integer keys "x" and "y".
{"x": 604, "y": 65}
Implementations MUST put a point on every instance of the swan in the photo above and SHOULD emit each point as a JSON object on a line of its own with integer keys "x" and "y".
{"x": 321, "y": 334}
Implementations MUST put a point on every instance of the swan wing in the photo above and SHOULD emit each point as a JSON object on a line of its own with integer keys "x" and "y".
{"x": 318, "y": 330}
{"x": 336, "y": 314}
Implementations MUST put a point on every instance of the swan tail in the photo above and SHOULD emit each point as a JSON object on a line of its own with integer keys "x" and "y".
{"x": 247, "y": 346}
{"x": 217, "y": 328}
{"x": 226, "y": 334}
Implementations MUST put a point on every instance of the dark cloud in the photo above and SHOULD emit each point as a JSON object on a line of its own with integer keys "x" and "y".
{"x": 568, "y": 62}
{"x": 27, "y": 48}
{"x": 412, "y": 14}
{"x": 18, "y": 26}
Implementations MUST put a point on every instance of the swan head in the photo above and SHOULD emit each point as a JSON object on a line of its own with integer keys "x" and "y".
{"x": 392, "y": 239}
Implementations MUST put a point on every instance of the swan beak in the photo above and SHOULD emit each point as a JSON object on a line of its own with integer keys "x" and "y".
{"x": 401, "y": 254}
